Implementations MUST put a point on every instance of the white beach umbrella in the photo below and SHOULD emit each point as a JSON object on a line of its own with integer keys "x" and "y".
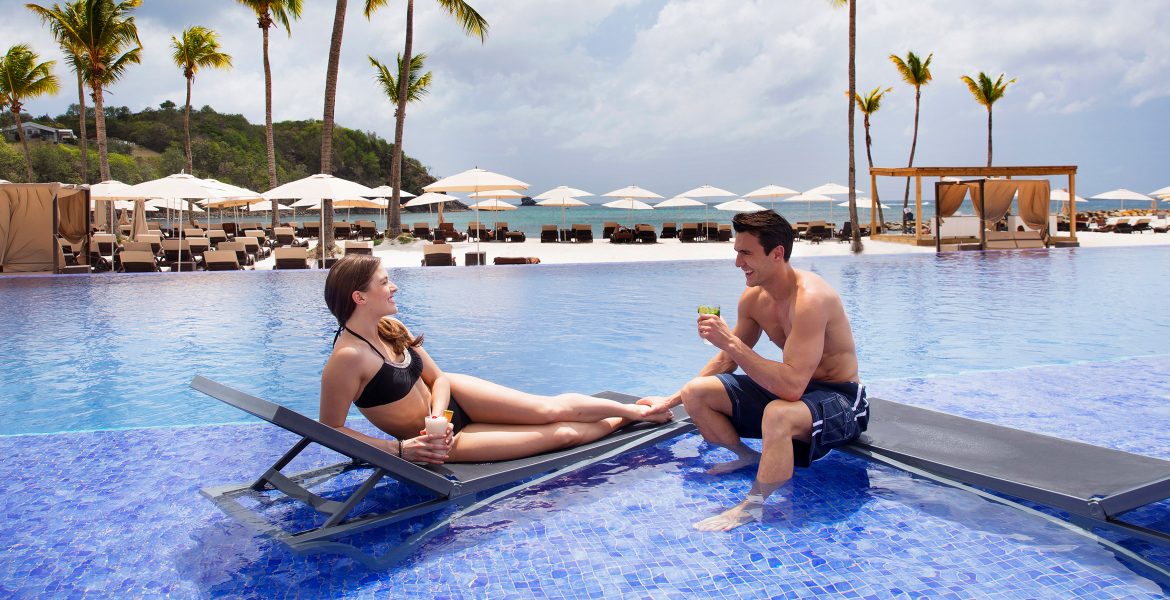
{"x": 475, "y": 180}
{"x": 739, "y": 205}
{"x": 428, "y": 198}
{"x": 628, "y": 204}
{"x": 561, "y": 191}
{"x": 1121, "y": 194}
{"x": 496, "y": 194}
{"x": 771, "y": 191}
{"x": 493, "y": 204}
{"x": 631, "y": 191}
{"x": 707, "y": 191}
{"x": 265, "y": 206}
{"x": 679, "y": 202}
{"x": 110, "y": 191}
{"x": 564, "y": 202}
{"x": 174, "y": 191}
{"x": 808, "y": 198}
{"x": 1160, "y": 192}
{"x": 387, "y": 191}
{"x": 832, "y": 189}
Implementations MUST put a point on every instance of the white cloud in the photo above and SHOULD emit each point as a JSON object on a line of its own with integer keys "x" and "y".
{"x": 682, "y": 92}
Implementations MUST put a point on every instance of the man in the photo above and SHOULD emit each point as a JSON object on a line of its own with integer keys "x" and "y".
{"x": 802, "y": 407}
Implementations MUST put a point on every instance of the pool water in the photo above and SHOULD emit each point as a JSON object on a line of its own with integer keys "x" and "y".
{"x": 108, "y": 447}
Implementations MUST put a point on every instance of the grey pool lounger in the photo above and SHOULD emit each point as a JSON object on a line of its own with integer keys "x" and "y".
{"x": 1095, "y": 485}
{"x": 454, "y": 484}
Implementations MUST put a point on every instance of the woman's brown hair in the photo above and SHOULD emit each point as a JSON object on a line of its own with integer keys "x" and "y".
{"x": 353, "y": 274}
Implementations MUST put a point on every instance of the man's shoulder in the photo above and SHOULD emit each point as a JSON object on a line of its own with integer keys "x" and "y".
{"x": 813, "y": 288}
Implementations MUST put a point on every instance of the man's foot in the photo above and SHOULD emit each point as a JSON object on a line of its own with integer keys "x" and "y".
{"x": 746, "y": 460}
{"x": 741, "y": 514}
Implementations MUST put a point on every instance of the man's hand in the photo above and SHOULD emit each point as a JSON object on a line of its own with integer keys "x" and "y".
{"x": 715, "y": 330}
{"x": 657, "y": 404}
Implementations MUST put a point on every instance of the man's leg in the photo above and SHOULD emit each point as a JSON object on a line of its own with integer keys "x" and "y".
{"x": 707, "y": 404}
{"x": 783, "y": 422}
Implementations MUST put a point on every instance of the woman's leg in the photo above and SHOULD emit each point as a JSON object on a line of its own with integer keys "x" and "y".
{"x": 487, "y": 402}
{"x": 483, "y": 442}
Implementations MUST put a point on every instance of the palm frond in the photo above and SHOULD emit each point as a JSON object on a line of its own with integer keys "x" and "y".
{"x": 21, "y": 76}
{"x": 198, "y": 47}
{"x": 913, "y": 69}
{"x": 417, "y": 83}
{"x": 471, "y": 21}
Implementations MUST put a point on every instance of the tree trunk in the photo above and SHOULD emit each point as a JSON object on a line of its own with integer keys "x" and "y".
{"x": 881, "y": 220}
{"x": 268, "y": 122}
{"x": 99, "y": 114}
{"x": 394, "y": 211}
{"x": 913, "y": 146}
{"x": 989, "y": 135}
{"x": 856, "y": 230}
{"x": 187, "y": 129}
{"x": 327, "y": 122}
{"x": 81, "y": 128}
{"x": 15, "y": 109}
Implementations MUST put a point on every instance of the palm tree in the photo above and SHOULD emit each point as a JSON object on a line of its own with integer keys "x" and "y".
{"x": 418, "y": 86}
{"x": 855, "y": 245}
{"x": 473, "y": 24}
{"x": 268, "y": 12}
{"x": 915, "y": 72}
{"x": 199, "y": 47}
{"x": 64, "y": 22}
{"x": 869, "y": 105}
{"x": 21, "y": 77}
{"x": 102, "y": 33}
{"x": 986, "y": 92}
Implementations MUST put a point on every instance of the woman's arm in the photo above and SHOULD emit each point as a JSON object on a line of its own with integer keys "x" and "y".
{"x": 339, "y": 386}
{"x": 437, "y": 381}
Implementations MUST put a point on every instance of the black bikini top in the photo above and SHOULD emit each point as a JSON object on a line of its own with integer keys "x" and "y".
{"x": 393, "y": 381}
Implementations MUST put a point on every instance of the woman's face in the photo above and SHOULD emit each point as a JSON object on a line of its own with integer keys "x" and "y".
{"x": 379, "y": 294}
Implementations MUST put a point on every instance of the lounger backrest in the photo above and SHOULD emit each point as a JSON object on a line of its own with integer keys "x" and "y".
{"x": 236, "y": 246}
{"x": 192, "y": 232}
{"x": 548, "y": 227}
{"x": 250, "y": 243}
{"x": 137, "y": 247}
{"x": 137, "y": 261}
{"x": 324, "y": 435}
{"x": 221, "y": 257}
{"x": 437, "y": 249}
{"x": 257, "y": 234}
{"x": 291, "y": 253}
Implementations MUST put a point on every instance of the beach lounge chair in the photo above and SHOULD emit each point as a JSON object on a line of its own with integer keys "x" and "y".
{"x": 291, "y": 258}
{"x": 312, "y": 229}
{"x": 353, "y": 247}
{"x": 192, "y": 232}
{"x": 221, "y": 260}
{"x": 241, "y": 249}
{"x": 199, "y": 246}
{"x": 215, "y": 236}
{"x": 669, "y": 230}
{"x": 817, "y": 231}
{"x": 515, "y": 236}
{"x": 230, "y": 228}
{"x": 689, "y": 232}
{"x": 516, "y": 260}
{"x": 286, "y": 236}
{"x": 438, "y": 255}
{"x": 622, "y": 235}
{"x": 154, "y": 239}
{"x": 607, "y": 229}
{"x": 646, "y": 234}
{"x": 500, "y": 231}
{"x": 342, "y": 230}
{"x": 450, "y": 485}
{"x": 723, "y": 234}
{"x": 178, "y": 252}
{"x": 368, "y": 230}
{"x": 138, "y": 261}
{"x": 257, "y": 234}
{"x": 583, "y": 233}
{"x": 1094, "y": 485}
{"x": 446, "y": 232}
{"x": 422, "y": 231}
{"x": 479, "y": 231}
{"x": 548, "y": 234}
{"x": 1140, "y": 225}
{"x": 253, "y": 247}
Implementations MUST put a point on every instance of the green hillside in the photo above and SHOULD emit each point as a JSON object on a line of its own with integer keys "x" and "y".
{"x": 149, "y": 144}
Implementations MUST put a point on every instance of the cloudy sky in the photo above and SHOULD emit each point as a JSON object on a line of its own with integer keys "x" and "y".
{"x": 673, "y": 94}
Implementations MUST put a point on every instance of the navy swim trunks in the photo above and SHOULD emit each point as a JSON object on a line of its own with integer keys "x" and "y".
{"x": 840, "y": 412}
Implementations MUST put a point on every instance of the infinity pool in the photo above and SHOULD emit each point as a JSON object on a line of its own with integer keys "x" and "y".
{"x": 108, "y": 447}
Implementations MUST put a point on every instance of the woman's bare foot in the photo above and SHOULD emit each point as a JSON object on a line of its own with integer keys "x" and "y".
{"x": 745, "y": 460}
{"x": 648, "y": 413}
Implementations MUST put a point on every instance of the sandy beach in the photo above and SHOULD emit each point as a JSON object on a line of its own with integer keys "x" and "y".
{"x": 601, "y": 251}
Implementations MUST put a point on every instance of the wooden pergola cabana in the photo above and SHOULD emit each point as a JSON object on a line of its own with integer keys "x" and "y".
{"x": 1008, "y": 172}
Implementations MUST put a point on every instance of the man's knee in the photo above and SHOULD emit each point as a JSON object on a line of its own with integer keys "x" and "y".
{"x": 699, "y": 393}
{"x": 785, "y": 419}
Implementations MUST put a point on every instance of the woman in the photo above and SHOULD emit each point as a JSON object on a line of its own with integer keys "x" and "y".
{"x": 381, "y": 368}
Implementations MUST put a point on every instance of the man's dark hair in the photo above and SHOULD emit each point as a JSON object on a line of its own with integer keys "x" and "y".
{"x": 772, "y": 230}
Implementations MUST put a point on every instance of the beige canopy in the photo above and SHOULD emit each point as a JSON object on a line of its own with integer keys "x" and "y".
{"x": 30, "y": 217}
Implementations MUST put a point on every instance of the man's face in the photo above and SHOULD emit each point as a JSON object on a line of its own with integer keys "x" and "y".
{"x": 757, "y": 266}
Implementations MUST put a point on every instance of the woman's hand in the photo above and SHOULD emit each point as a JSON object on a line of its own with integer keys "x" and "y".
{"x": 426, "y": 449}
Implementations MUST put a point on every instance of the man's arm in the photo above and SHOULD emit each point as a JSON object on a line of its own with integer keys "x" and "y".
{"x": 803, "y": 350}
{"x": 746, "y": 329}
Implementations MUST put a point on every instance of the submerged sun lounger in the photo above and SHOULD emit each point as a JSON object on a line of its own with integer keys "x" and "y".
{"x": 1095, "y": 485}
{"x": 453, "y": 484}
